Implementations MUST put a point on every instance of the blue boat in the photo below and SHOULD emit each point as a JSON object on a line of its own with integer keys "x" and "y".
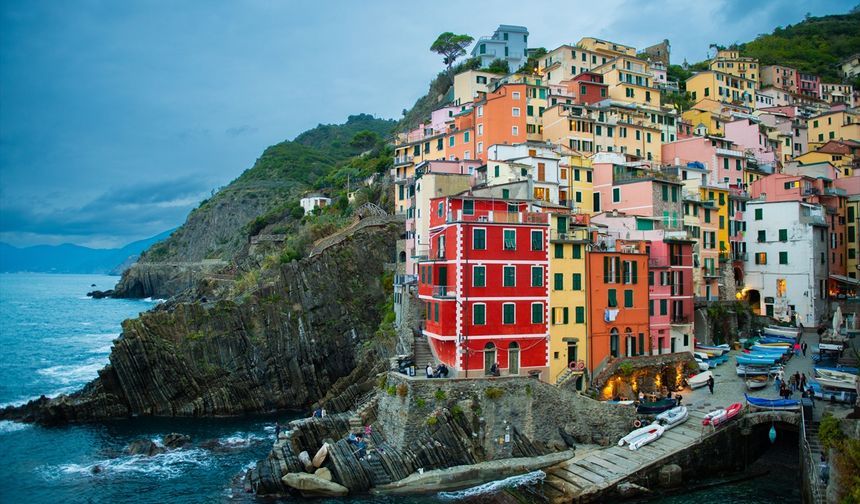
{"x": 843, "y": 396}
{"x": 776, "y": 339}
{"x": 769, "y": 350}
{"x": 764, "y": 355}
{"x": 746, "y": 360}
{"x": 773, "y": 404}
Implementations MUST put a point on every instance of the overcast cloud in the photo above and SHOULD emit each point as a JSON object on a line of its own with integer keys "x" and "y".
{"x": 116, "y": 118}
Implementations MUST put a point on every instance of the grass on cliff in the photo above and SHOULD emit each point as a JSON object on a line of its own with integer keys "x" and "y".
{"x": 844, "y": 455}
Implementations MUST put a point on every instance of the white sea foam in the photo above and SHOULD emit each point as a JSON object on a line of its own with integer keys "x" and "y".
{"x": 494, "y": 486}
{"x": 240, "y": 439}
{"x": 156, "y": 300}
{"x": 74, "y": 373}
{"x": 162, "y": 466}
{"x": 9, "y": 426}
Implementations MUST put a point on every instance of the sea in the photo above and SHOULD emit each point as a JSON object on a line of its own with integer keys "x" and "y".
{"x": 54, "y": 339}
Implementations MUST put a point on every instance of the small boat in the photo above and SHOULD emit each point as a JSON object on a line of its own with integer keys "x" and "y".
{"x": 654, "y": 432}
{"x": 777, "y": 339}
{"x": 785, "y": 332}
{"x": 841, "y": 369}
{"x": 783, "y": 344}
{"x": 770, "y": 349}
{"x": 842, "y": 396}
{"x": 835, "y": 383}
{"x": 652, "y": 408}
{"x": 699, "y": 380}
{"x": 713, "y": 350}
{"x": 731, "y": 412}
{"x": 623, "y": 403}
{"x": 835, "y": 375}
{"x": 702, "y": 355}
{"x": 752, "y": 370}
{"x": 757, "y": 382}
{"x": 712, "y": 415}
{"x": 673, "y": 417}
{"x": 634, "y": 434}
{"x": 703, "y": 366}
{"x": 745, "y": 359}
{"x": 773, "y": 404}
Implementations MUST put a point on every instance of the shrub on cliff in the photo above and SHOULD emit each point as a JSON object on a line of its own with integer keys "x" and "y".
{"x": 493, "y": 392}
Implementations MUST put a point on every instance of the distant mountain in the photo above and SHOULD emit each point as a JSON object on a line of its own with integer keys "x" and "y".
{"x": 68, "y": 258}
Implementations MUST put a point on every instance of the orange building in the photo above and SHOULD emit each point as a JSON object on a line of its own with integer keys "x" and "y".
{"x": 617, "y": 301}
{"x": 498, "y": 118}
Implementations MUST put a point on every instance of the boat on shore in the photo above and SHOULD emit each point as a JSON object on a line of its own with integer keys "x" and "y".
{"x": 699, "y": 380}
{"x": 713, "y": 350}
{"x": 832, "y": 395}
{"x": 778, "y": 339}
{"x": 673, "y": 417}
{"x": 785, "y": 332}
{"x": 770, "y": 349}
{"x": 773, "y": 404}
{"x": 753, "y": 369}
{"x": 754, "y": 359}
{"x": 634, "y": 434}
{"x": 652, "y": 408}
{"x": 720, "y": 416}
{"x": 835, "y": 383}
{"x": 841, "y": 369}
{"x": 757, "y": 382}
{"x": 654, "y": 432}
{"x": 835, "y": 374}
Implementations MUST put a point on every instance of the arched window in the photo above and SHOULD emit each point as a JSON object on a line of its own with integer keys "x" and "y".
{"x": 630, "y": 350}
{"x": 613, "y": 342}
{"x": 402, "y": 256}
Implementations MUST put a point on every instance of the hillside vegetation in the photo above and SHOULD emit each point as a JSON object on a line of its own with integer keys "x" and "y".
{"x": 815, "y": 45}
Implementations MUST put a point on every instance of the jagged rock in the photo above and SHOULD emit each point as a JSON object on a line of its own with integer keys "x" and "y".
{"x": 305, "y": 460}
{"x": 175, "y": 440}
{"x": 143, "y": 447}
{"x": 628, "y": 490}
{"x": 97, "y": 294}
{"x": 314, "y": 486}
{"x": 670, "y": 476}
{"x": 281, "y": 346}
{"x": 323, "y": 473}
{"x": 319, "y": 458}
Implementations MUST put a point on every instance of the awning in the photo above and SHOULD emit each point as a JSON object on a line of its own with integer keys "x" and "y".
{"x": 846, "y": 280}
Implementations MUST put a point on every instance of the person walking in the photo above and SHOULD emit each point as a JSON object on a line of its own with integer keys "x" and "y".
{"x": 792, "y": 382}
{"x": 711, "y": 384}
{"x": 803, "y": 348}
{"x": 777, "y": 383}
{"x": 803, "y": 381}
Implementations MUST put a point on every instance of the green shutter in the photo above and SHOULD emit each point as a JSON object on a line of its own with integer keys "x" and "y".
{"x": 480, "y": 279}
{"x": 635, "y": 276}
{"x": 558, "y": 281}
{"x": 537, "y": 313}
{"x": 510, "y": 276}
{"x": 651, "y": 308}
{"x": 577, "y": 251}
{"x": 577, "y": 281}
{"x": 612, "y": 301}
{"x": 606, "y": 278}
{"x": 436, "y": 312}
{"x": 628, "y": 298}
{"x": 537, "y": 240}
{"x": 758, "y": 214}
{"x": 665, "y": 189}
{"x": 480, "y": 317}
{"x": 783, "y": 235}
{"x": 559, "y": 250}
{"x": 537, "y": 277}
{"x": 564, "y": 315}
{"x": 783, "y": 258}
{"x": 664, "y": 307}
{"x": 641, "y": 343}
{"x": 580, "y": 315}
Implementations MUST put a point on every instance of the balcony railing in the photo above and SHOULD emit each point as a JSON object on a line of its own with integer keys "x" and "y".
{"x": 421, "y": 253}
{"x": 571, "y": 235}
{"x": 402, "y": 160}
{"x": 710, "y": 273}
{"x": 405, "y": 279}
{"x": 834, "y": 191}
{"x": 739, "y": 256}
{"x": 443, "y": 291}
{"x": 811, "y": 191}
{"x": 503, "y": 217}
{"x": 680, "y": 319}
{"x": 730, "y": 152}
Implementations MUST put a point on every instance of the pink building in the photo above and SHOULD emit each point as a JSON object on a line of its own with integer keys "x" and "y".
{"x": 808, "y": 85}
{"x": 726, "y": 164}
{"x": 751, "y": 137}
{"x": 635, "y": 188}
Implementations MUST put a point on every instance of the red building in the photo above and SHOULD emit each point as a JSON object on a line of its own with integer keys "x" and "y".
{"x": 484, "y": 285}
{"x": 588, "y": 87}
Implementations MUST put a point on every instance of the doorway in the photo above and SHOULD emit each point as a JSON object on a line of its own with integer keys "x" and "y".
{"x": 514, "y": 359}
{"x": 489, "y": 357}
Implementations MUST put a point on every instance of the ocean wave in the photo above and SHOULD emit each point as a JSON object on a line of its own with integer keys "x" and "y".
{"x": 156, "y": 300}
{"x": 162, "y": 466}
{"x": 494, "y": 486}
{"x": 241, "y": 439}
{"x": 10, "y": 426}
{"x": 73, "y": 373}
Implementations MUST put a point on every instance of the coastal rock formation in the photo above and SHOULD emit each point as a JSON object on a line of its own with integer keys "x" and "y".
{"x": 282, "y": 345}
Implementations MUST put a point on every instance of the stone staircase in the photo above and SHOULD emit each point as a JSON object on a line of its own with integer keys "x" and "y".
{"x": 815, "y": 449}
{"x": 421, "y": 352}
{"x": 359, "y": 417}
{"x": 564, "y": 376}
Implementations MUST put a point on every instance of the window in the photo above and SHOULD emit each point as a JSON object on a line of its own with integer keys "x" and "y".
{"x": 664, "y": 307}
{"x": 468, "y": 207}
{"x": 439, "y": 209}
{"x": 537, "y": 313}
{"x": 479, "y": 276}
{"x": 758, "y": 213}
{"x": 466, "y": 137}
{"x": 479, "y": 314}
{"x": 783, "y": 235}
{"x": 515, "y": 112}
{"x": 616, "y": 194}
{"x": 559, "y": 251}
{"x": 577, "y": 281}
{"x": 515, "y": 95}
{"x": 611, "y": 300}
{"x": 577, "y": 251}
{"x": 665, "y": 190}
{"x": 650, "y": 307}
{"x": 783, "y": 258}
{"x": 613, "y": 342}
{"x": 510, "y": 239}
{"x": 508, "y": 312}
{"x": 761, "y": 258}
{"x": 451, "y": 141}
{"x": 558, "y": 281}
{"x": 530, "y": 110}
{"x": 537, "y": 240}
{"x": 480, "y": 148}
{"x": 580, "y": 315}
{"x": 565, "y": 315}
{"x": 509, "y": 276}
{"x": 515, "y": 131}
{"x": 537, "y": 276}
{"x": 628, "y": 298}
{"x": 762, "y": 236}
{"x": 435, "y": 312}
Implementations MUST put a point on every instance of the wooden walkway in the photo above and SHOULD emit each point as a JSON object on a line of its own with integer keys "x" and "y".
{"x": 586, "y": 475}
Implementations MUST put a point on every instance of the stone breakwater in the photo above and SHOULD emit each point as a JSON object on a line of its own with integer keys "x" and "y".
{"x": 435, "y": 424}
{"x": 281, "y": 346}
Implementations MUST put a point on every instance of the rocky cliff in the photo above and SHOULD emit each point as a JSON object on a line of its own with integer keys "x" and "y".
{"x": 281, "y": 345}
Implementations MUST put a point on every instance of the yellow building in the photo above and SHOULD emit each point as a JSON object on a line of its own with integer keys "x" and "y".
{"x": 611, "y": 49}
{"x": 722, "y": 87}
{"x": 852, "y": 235}
{"x": 629, "y": 81}
{"x": 731, "y": 62}
{"x": 579, "y": 178}
{"x": 567, "y": 61}
{"x": 406, "y": 156}
{"x": 843, "y": 162}
{"x": 568, "y": 286}
{"x": 839, "y": 125}
{"x": 719, "y": 196}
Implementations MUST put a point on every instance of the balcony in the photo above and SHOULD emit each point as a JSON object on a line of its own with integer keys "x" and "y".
{"x": 738, "y": 193}
{"x": 834, "y": 191}
{"x": 681, "y": 319}
{"x": 739, "y": 256}
{"x": 443, "y": 292}
{"x": 405, "y": 279}
{"x": 499, "y": 217}
{"x": 642, "y": 176}
{"x": 421, "y": 254}
{"x": 730, "y": 153}
{"x": 403, "y": 160}
{"x": 404, "y": 180}
{"x": 811, "y": 191}
{"x": 710, "y": 273}
{"x": 571, "y": 235}
{"x": 724, "y": 257}
{"x": 815, "y": 220}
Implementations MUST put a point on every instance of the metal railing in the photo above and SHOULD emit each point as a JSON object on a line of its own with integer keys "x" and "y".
{"x": 503, "y": 217}
{"x": 402, "y": 160}
{"x": 570, "y": 235}
{"x": 443, "y": 291}
{"x": 808, "y": 462}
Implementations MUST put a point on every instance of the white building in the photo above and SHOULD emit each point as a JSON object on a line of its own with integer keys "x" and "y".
{"x": 786, "y": 268}
{"x": 511, "y": 163}
{"x": 508, "y": 42}
{"x": 312, "y": 201}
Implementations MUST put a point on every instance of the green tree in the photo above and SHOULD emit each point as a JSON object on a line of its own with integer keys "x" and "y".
{"x": 533, "y": 61}
{"x": 499, "y": 66}
{"x": 364, "y": 139}
{"x": 451, "y": 46}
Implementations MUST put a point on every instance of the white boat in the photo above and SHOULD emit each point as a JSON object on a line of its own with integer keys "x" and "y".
{"x": 835, "y": 375}
{"x": 757, "y": 370}
{"x": 756, "y": 382}
{"x": 789, "y": 332}
{"x": 673, "y": 417}
{"x": 699, "y": 380}
{"x": 654, "y": 432}
{"x": 714, "y": 416}
{"x": 703, "y": 366}
{"x": 634, "y": 434}
{"x": 835, "y": 383}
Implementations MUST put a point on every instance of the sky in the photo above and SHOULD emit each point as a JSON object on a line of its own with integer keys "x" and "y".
{"x": 117, "y": 118}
